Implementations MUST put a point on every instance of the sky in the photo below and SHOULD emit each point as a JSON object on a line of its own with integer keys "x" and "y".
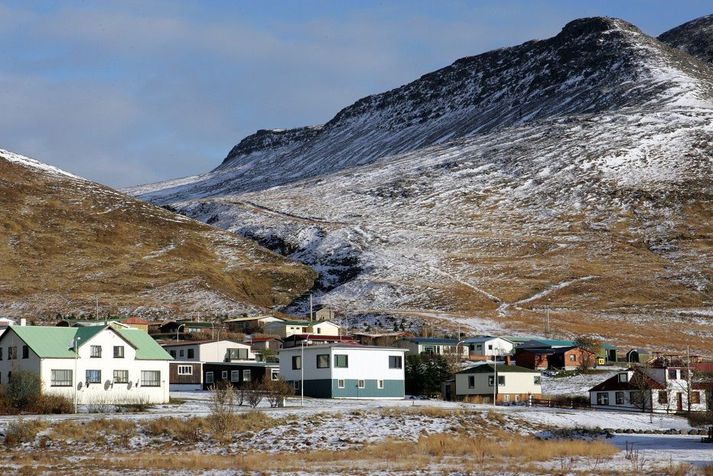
{"x": 132, "y": 92}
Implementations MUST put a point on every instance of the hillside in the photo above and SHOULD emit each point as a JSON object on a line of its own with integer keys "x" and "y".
{"x": 694, "y": 37}
{"x": 65, "y": 241}
{"x": 571, "y": 174}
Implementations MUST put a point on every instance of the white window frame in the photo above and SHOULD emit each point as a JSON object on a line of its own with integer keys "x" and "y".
{"x": 150, "y": 382}
{"x": 185, "y": 370}
{"x": 55, "y": 381}
{"x": 119, "y": 380}
{"x": 380, "y": 384}
{"x": 209, "y": 377}
{"x": 341, "y": 383}
{"x": 361, "y": 383}
{"x": 95, "y": 352}
{"x": 235, "y": 375}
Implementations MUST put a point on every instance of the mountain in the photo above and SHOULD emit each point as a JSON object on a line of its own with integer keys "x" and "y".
{"x": 694, "y": 37}
{"x": 66, "y": 242}
{"x": 569, "y": 177}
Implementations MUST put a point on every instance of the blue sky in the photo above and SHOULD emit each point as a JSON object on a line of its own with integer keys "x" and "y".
{"x": 138, "y": 91}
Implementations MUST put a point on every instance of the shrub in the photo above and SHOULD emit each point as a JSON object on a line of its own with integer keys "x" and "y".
{"x": 222, "y": 408}
{"x": 52, "y": 404}
{"x": 276, "y": 390}
{"x": 255, "y": 394}
{"x": 23, "y": 389}
{"x": 21, "y": 431}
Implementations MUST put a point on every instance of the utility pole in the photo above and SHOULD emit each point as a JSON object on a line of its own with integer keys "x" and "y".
{"x": 688, "y": 377}
{"x": 310, "y": 307}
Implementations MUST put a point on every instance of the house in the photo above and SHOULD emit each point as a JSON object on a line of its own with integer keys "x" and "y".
{"x": 659, "y": 390}
{"x": 607, "y": 354}
{"x": 260, "y": 344}
{"x": 295, "y": 340}
{"x": 345, "y": 371}
{"x": 285, "y": 329}
{"x": 106, "y": 364}
{"x": 515, "y": 383}
{"x": 249, "y": 324}
{"x": 488, "y": 346}
{"x": 185, "y": 376}
{"x": 238, "y": 373}
{"x": 432, "y": 345}
{"x": 543, "y": 358}
{"x": 383, "y": 339}
{"x": 137, "y": 323}
{"x": 321, "y": 312}
{"x": 209, "y": 351}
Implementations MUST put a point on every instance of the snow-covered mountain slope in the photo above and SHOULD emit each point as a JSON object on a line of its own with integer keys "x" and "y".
{"x": 594, "y": 64}
{"x": 572, "y": 174}
{"x": 66, "y": 241}
{"x": 694, "y": 37}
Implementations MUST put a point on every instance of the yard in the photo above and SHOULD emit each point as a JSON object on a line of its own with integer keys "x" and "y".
{"x": 350, "y": 436}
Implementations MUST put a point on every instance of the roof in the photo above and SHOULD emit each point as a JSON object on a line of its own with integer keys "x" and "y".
{"x": 195, "y": 323}
{"x": 146, "y": 347}
{"x": 613, "y": 383}
{"x": 487, "y": 368}
{"x": 484, "y": 339}
{"x": 432, "y": 340}
{"x": 260, "y": 339}
{"x": 56, "y": 342}
{"x": 345, "y": 345}
{"x": 198, "y": 342}
{"x": 251, "y": 318}
{"x": 136, "y": 320}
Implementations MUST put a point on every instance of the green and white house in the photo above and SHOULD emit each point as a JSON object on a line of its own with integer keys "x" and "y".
{"x": 345, "y": 371}
{"x": 95, "y": 364}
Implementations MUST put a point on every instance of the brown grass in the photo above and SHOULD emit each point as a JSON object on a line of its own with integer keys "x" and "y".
{"x": 23, "y": 431}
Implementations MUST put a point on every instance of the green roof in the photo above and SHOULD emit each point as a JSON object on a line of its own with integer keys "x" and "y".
{"x": 502, "y": 368}
{"x": 56, "y": 342}
{"x": 146, "y": 347}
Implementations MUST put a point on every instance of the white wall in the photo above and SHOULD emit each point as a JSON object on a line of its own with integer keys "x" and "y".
{"x": 324, "y": 329}
{"x": 491, "y": 347}
{"x": 208, "y": 351}
{"x": 515, "y": 382}
{"x": 364, "y": 363}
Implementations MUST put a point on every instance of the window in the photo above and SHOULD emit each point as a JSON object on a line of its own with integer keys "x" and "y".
{"x": 491, "y": 379}
{"x": 237, "y": 354}
{"x": 619, "y": 398}
{"x": 506, "y": 397}
{"x": 340, "y": 383}
{"x": 247, "y": 375}
{"x": 395, "y": 362}
{"x": 683, "y": 373}
{"x": 501, "y": 380}
{"x": 663, "y": 397}
{"x": 573, "y": 357}
{"x": 25, "y": 352}
{"x": 173, "y": 353}
{"x": 61, "y": 378}
{"x": 623, "y": 378}
{"x": 695, "y": 397}
{"x": 537, "y": 380}
{"x": 209, "y": 377}
{"x": 224, "y": 375}
{"x": 94, "y": 376}
{"x": 341, "y": 361}
{"x": 12, "y": 353}
{"x": 672, "y": 373}
{"x": 517, "y": 397}
{"x": 185, "y": 370}
{"x": 322, "y": 361}
{"x": 380, "y": 384}
{"x": 319, "y": 330}
{"x": 235, "y": 375}
{"x": 296, "y": 384}
{"x": 182, "y": 353}
{"x": 296, "y": 362}
{"x": 275, "y": 374}
{"x": 150, "y": 378}
{"x": 118, "y": 351}
{"x": 95, "y": 351}
{"x": 191, "y": 353}
{"x": 471, "y": 381}
{"x": 490, "y": 346}
{"x": 361, "y": 384}
{"x": 0, "y": 353}
{"x": 121, "y": 376}
{"x": 603, "y": 398}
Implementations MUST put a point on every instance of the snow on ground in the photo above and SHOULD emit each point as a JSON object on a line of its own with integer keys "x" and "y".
{"x": 576, "y": 385}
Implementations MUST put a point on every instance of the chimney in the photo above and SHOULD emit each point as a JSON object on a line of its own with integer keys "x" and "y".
{"x": 23, "y": 322}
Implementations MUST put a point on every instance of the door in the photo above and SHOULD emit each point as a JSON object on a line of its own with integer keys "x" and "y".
{"x": 679, "y": 402}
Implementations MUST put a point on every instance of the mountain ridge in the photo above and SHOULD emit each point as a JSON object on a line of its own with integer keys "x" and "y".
{"x": 582, "y": 200}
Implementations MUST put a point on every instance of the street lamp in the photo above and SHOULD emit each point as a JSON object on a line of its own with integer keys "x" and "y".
{"x": 458, "y": 353}
{"x": 496, "y": 352}
{"x": 302, "y": 369}
{"x": 75, "y": 344}
{"x": 178, "y": 329}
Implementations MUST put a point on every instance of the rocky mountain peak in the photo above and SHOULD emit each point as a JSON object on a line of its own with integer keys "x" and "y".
{"x": 270, "y": 139}
{"x": 694, "y": 37}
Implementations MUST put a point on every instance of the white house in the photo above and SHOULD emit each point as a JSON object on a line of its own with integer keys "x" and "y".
{"x": 209, "y": 351}
{"x": 659, "y": 390}
{"x": 286, "y": 329}
{"x": 96, "y": 364}
{"x": 432, "y": 345}
{"x": 345, "y": 371}
{"x": 515, "y": 384}
{"x": 488, "y": 346}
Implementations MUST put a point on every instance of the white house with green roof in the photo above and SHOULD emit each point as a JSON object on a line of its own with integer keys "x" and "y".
{"x": 96, "y": 364}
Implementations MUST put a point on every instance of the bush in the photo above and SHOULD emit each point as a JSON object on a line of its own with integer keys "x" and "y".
{"x": 52, "y": 404}
{"x": 276, "y": 390}
{"x": 23, "y": 389}
{"x": 21, "y": 431}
